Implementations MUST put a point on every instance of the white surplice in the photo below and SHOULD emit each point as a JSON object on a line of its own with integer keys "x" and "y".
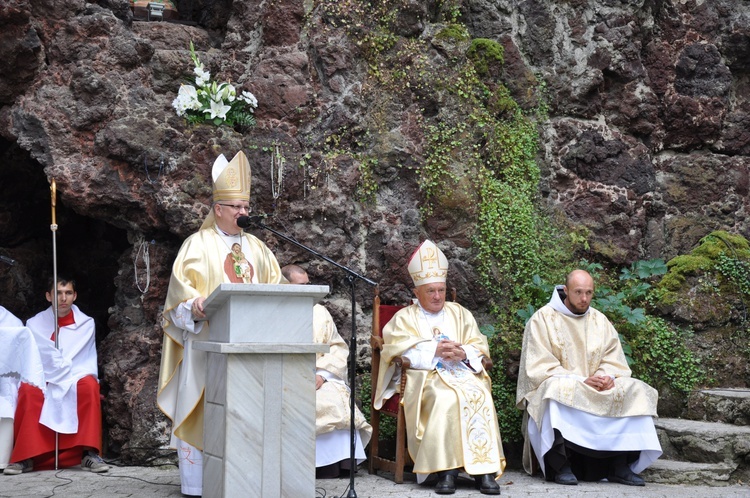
{"x": 74, "y": 359}
{"x": 19, "y": 362}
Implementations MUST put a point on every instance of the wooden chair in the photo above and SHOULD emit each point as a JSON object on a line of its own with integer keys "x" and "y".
{"x": 381, "y": 315}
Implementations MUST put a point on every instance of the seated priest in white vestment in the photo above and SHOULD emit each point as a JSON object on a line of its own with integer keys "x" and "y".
{"x": 332, "y": 395}
{"x": 19, "y": 362}
{"x": 587, "y": 418}
{"x": 451, "y": 423}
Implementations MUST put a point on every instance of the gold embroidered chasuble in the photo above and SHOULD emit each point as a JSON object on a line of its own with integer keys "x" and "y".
{"x": 198, "y": 269}
{"x": 450, "y": 417}
{"x": 560, "y": 351}
{"x": 332, "y": 408}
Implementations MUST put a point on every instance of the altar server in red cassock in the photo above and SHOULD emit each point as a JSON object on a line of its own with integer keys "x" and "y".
{"x": 71, "y": 405}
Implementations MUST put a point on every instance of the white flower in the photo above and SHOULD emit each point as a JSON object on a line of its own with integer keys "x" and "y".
{"x": 201, "y": 77}
{"x": 217, "y": 110}
{"x": 187, "y": 98}
{"x": 249, "y": 98}
{"x": 178, "y": 107}
{"x": 224, "y": 92}
{"x": 190, "y": 94}
{"x": 230, "y": 92}
{"x": 208, "y": 100}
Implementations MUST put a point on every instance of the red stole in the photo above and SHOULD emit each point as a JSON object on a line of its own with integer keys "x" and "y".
{"x": 63, "y": 321}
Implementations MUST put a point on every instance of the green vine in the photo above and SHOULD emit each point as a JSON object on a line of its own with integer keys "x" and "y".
{"x": 479, "y": 151}
{"x": 368, "y": 184}
{"x": 661, "y": 357}
{"x": 736, "y": 271}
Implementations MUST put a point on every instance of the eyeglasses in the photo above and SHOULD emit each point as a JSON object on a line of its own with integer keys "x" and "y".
{"x": 237, "y": 207}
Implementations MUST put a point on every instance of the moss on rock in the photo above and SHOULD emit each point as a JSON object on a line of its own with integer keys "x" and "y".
{"x": 703, "y": 287}
{"x": 483, "y": 52}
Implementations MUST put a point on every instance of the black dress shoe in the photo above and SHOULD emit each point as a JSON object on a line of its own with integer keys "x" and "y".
{"x": 566, "y": 476}
{"x": 327, "y": 471}
{"x": 624, "y": 475}
{"x": 447, "y": 483}
{"x": 487, "y": 485}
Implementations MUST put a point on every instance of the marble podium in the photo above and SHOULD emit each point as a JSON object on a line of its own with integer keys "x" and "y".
{"x": 259, "y": 426}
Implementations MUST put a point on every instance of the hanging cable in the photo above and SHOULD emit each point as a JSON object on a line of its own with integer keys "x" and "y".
{"x": 141, "y": 254}
{"x": 159, "y": 171}
{"x": 277, "y": 173}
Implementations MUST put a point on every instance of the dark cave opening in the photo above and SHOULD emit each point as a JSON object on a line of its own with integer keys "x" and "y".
{"x": 86, "y": 249}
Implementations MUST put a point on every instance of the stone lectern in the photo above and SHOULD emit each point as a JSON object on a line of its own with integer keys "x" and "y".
{"x": 259, "y": 426}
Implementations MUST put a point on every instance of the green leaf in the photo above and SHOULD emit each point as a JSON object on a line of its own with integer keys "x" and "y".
{"x": 488, "y": 330}
{"x": 526, "y": 313}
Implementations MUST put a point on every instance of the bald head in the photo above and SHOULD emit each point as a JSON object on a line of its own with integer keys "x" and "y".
{"x": 579, "y": 276}
{"x": 295, "y": 274}
{"x": 579, "y": 291}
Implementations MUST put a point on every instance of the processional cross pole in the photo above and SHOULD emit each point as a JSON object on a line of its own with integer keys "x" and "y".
{"x": 53, "y": 228}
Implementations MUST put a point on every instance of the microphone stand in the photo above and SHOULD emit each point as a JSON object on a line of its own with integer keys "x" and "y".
{"x": 351, "y": 277}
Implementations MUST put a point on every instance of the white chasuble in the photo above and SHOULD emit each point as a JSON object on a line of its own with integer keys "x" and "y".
{"x": 19, "y": 362}
{"x": 332, "y": 400}
{"x": 560, "y": 351}
{"x": 450, "y": 417}
{"x": 205, "y": 260}
{"x": 73, "y": 359}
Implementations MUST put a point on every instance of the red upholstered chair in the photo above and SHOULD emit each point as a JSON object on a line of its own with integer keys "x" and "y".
{"x": 381, "y": 315}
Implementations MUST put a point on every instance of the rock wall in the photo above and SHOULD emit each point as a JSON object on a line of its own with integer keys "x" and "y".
{"x": 646, "y": 147}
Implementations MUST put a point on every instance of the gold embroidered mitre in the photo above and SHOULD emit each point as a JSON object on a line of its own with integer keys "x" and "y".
{"x": 428, "y": 264}
{"x": 231, "y": 179}
{"x": 231, "y": 182}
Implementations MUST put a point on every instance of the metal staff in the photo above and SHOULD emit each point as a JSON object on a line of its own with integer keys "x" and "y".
{"x": 53, "y": 228}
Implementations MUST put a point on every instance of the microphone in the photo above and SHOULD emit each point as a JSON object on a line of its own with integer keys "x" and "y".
{"x": 7, "y": 260}
{"x": 249, "y": 221}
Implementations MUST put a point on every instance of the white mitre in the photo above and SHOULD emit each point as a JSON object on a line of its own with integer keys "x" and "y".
{"x": 231, "y": 182}
{"x": 428, "y": 264}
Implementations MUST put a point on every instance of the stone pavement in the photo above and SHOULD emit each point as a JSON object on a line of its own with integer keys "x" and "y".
{"x": 157, "y": 482}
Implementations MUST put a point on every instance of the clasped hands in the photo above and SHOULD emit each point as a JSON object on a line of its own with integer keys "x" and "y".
{"x": 600, "y": 382}
{"x": 450, "y": 351}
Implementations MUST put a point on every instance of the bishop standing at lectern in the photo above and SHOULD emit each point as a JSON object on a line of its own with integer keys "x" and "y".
{"x": 220, "y": 252}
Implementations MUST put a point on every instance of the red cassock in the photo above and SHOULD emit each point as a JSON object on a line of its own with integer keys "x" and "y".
{"x": 74, "y": 359}
{"x": 34, "y": 440}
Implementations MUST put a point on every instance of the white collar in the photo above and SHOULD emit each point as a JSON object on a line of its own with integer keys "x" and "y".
{"x": 558, "y": 305}
{"x": 225, "y": 234}
{"x": 428, "y": 314}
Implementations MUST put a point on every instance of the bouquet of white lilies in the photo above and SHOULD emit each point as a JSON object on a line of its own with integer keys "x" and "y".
{"x": 217, "y": 103}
